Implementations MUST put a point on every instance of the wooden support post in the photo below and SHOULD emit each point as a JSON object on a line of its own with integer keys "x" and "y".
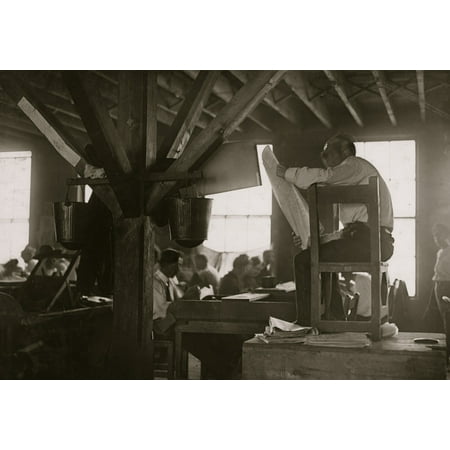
{"x": 132, "y": 352}
{"x": 151, "y": 120}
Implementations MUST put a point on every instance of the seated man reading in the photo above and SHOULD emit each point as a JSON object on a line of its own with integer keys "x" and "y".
{"x": 353, "y": 242}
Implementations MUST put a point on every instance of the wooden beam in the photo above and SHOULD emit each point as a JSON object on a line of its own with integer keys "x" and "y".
{"x": 50, "y": 127}
{"x": 99, "y": 125}
{"x": 225, "y": 92}
{"x": 421, "y": 92}
{"x": 132, "y": 349}
{"x": 168, "y": 102}
{"x": 381, "y": 84}
{"x": 300, "y": 85}
{"x": 105, "y": 139}
{"x": 238, "y": 108}
{"x": 44, "y": 121}
{"x": 413, "y": 96}
{"x": 338, "y": 85}
{"x": 131, "y": 124}
{"x": 151, "y": 141}
{"x": 284, "y": 110}
{"x": 181, "y": 130}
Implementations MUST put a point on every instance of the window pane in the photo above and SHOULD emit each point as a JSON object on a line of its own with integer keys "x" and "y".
{"x": 402, "y": 265}
{"x": 240, "y": 221}
{"x": 15, "y": 179}
{"x": 403, "y": 194}
{"x": 258, "y": 232}
{"x": 396, "y": 162}
{"x": 236, "y": 234}
{"x": 216, "y": 234}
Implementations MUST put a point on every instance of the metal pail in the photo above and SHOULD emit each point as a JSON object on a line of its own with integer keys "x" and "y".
{"x": 71, "y": 222}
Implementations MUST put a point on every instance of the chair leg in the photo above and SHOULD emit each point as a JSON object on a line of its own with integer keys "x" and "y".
{"x": 170, "y": 363}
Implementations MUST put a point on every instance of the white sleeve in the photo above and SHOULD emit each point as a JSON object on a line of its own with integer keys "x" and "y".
{"x": 303, "y": 177}
{"x": 160, "y": 304}
{"x": 348, "y": 172}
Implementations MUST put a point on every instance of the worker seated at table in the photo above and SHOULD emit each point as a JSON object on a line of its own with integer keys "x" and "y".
{"x": 11, "y": 271}
{"x": 234, "y": 281}
{"x": 27, "y": 255}
{"x": 163, "y": 292}
{"x": 206, "y": 273}
{"x": 220, "y": 354}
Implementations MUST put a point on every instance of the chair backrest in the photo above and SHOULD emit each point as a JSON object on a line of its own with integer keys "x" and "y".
{"x": 367, "y": 194}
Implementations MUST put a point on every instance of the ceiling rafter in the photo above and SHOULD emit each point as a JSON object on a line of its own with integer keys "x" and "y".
{"x": 421, "y": 93}
{"x": 414, "y": 96}
{"x": 337, "y": 81}
{"x": 284, "y": 110}
{"x": 179, "y": 134}
{"x": 225, "y": 92}
{"x": 168, "y": 104}
{"x": 381, "y": 84}
{"x": 302, "y": 88}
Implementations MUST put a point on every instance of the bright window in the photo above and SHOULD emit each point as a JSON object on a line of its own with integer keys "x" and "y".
{"x": 15, "y": 181}
{"x": 240, "y": 220}
{"x": 396, "y": 162}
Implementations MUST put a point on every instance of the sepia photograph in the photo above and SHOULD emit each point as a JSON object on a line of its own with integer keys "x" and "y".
{"x": 214, "y": 216}
{"x": 225, "y": 224}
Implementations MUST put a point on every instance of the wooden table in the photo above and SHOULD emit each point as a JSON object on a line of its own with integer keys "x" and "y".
{"x": 223, "y": 317}
{"x": 398, "y": 357}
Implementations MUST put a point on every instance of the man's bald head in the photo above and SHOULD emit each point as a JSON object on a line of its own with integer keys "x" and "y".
{"x": 337, "y": 148}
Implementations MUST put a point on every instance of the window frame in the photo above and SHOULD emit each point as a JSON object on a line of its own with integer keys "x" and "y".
{"x": 417, "y": 218}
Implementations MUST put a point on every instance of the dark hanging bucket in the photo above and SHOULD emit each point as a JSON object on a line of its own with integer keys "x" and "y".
{"x": 71, "y": 222}
{"x": 189, "y": 220}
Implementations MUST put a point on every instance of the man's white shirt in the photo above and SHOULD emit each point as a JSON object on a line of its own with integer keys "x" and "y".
{"x": 352, "y": 171}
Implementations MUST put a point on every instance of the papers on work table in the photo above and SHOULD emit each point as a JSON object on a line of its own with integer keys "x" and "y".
{"x": 279, "y": 331}
{"x": 343, "y": 340}
{"x": 288, "y": 286}
{"x": 205, "y": 291}
{"x": 247, "y": 296}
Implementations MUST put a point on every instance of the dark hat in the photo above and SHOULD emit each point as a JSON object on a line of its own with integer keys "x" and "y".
{"x": 47, "y": 251}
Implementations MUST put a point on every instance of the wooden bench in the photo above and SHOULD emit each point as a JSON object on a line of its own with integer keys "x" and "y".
{"x": 397, "y": 357}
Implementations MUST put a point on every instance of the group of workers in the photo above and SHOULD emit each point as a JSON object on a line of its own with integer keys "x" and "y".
{"x": 53, "y": 264}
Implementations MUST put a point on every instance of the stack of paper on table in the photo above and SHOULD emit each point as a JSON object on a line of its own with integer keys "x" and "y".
{"x": 344, "y": 340}
{"x": 247, "y": 296}
{"x": 281, "y": 331}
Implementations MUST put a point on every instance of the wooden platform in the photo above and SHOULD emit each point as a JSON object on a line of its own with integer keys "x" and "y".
{"x": 398, "y": 357}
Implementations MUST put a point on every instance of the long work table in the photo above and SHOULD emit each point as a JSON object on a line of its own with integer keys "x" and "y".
{"x": 223, "y": 317}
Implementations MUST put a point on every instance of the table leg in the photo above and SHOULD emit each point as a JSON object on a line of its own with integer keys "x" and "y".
{"x": 178, "y": 354}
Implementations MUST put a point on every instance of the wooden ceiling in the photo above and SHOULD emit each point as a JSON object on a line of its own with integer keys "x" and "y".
{"x": 302, "y": 99}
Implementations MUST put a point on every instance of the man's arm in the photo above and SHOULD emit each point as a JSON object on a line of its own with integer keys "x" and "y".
{"x": 348, "y": 172}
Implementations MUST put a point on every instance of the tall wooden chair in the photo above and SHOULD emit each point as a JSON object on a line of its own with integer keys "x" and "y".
{"x": 320, "y": 307}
